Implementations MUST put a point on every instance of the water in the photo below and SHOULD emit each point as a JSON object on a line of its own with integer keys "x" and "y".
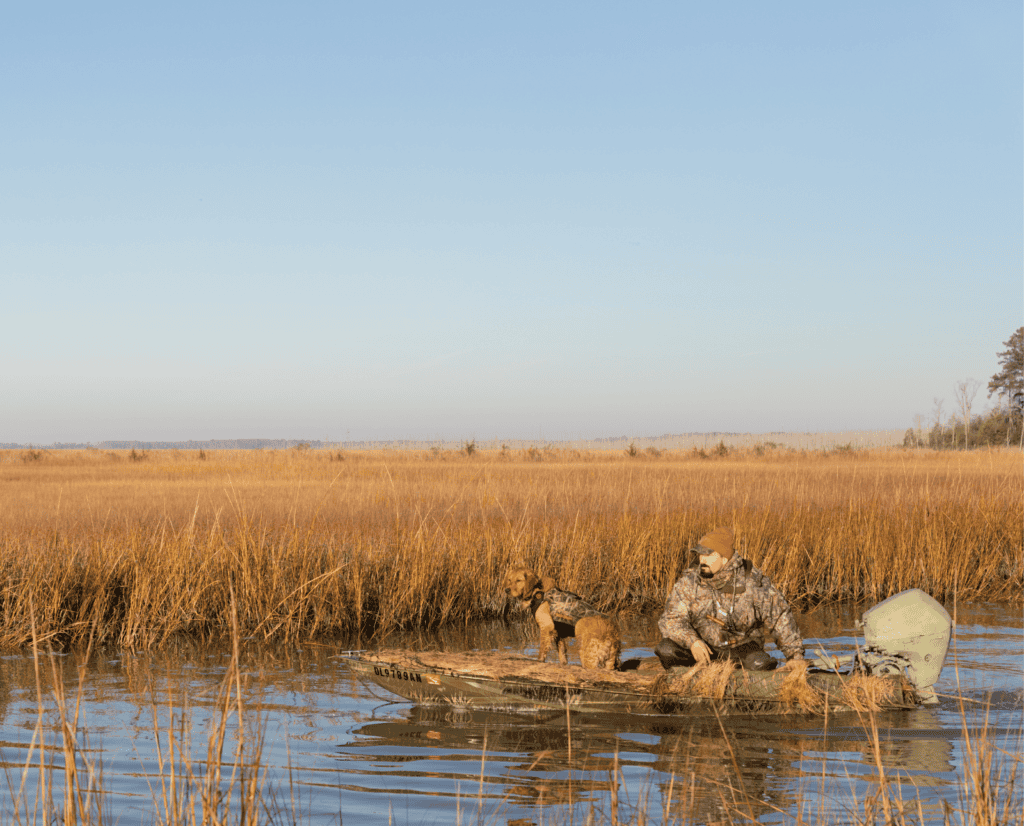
{"x": 336, "y": 751}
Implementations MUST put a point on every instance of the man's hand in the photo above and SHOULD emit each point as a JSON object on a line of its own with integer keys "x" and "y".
{"x": 795, "y": 664}
{"x": 701, "y": 652}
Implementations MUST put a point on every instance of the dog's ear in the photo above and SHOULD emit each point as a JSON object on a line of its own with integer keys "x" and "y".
{"x": 547, "y": 583}
{"x": 531, "y": 582}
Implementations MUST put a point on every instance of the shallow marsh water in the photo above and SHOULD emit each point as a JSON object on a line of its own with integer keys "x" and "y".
{"x": 334, "y": 750}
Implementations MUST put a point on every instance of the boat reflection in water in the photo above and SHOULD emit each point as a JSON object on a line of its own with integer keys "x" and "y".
{"x": 685, "y": 767}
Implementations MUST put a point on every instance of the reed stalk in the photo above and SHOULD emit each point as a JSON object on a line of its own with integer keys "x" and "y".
{"x": 139, "y": 553}
{"x": 225, "y": 788}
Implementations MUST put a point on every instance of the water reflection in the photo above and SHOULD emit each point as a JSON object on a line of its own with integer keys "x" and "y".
{"x": 345, "y": 752}
{"x": 705, "y": 770}
{"x": 697, "y": 768}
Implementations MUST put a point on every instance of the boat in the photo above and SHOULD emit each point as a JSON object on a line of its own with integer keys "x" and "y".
{"x": 906, "y": 637}
{"x": 503, "y": 681}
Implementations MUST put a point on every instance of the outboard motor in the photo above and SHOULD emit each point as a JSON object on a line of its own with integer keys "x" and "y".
{"x": 908, "y": 634}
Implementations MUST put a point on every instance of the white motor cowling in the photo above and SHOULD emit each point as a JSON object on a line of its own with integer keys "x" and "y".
{"x": 909, "y": 631}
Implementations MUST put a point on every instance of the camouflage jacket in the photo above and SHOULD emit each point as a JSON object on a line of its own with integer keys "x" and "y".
{"x": 567, "y": 608}
{"x": 739, "y": 604}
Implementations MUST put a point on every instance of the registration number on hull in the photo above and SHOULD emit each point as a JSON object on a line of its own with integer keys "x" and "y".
{"x": 396, "y": 674}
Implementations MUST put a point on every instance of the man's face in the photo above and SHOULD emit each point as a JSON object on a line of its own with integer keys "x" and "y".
{"x": 711, "y": 564}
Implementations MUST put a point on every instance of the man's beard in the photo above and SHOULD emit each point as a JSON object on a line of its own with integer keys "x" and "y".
{"x": 705, "y": 572}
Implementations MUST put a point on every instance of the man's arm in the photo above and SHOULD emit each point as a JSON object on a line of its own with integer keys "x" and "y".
{"x": 783, "y": 624}
{"x": 675, "y": 620}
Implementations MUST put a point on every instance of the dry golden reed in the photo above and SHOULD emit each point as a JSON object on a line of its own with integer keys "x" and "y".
{"x": 317, "y": 543}
{"x": 796, "y": 691}
{"x": 710, "y": 680}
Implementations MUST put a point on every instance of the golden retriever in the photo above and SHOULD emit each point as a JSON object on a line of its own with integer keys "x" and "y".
{"x": 562, "y": 614}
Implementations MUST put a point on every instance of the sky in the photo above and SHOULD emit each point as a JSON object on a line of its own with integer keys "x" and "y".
{"x": 565, "y": 220}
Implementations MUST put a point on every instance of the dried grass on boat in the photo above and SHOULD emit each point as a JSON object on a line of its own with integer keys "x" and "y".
{"x": 708, "y": 682}
{"x": 862, "y": 692}
{"x": 503, "y": 666}
{"x": 796, "y": 691}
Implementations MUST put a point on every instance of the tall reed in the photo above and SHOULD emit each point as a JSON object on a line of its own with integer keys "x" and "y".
{"x": 137, "y": 552}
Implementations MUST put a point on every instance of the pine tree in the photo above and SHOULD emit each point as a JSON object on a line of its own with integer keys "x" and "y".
{"x": 1009, "y": 381}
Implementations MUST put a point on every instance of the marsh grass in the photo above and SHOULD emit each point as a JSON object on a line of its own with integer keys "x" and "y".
{"x": 137, "y": 553}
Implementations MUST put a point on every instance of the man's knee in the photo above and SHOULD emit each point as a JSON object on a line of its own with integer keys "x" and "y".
{"x": 759, "y": 660}
{"x": 671, "y": 653}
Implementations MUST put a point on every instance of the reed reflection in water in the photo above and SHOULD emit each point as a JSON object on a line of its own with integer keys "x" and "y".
{"x": 334, "y": 750}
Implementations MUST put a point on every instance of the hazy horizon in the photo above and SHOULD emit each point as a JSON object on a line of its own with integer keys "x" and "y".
{"x": 667, "y": 441}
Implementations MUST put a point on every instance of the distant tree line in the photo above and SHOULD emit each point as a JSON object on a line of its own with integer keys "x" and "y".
{"x": 209, "y": 444}
{"x": 997, "y": 427}
{"x": 1002, "y": 425}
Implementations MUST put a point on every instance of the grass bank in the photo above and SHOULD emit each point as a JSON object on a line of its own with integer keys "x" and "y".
{"x": 132, "y": 548}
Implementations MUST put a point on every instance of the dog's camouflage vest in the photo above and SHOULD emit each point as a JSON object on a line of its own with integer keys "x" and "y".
{"x": 566, "y": 607}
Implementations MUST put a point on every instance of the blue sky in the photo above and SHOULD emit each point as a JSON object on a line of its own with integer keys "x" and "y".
{"x": 556, "y": 220}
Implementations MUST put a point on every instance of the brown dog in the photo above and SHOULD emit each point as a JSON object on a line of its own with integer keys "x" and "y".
{"x": 562, "y": 614}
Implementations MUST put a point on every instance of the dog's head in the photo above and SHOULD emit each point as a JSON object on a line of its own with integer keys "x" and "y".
{"x": 522, "y": 584}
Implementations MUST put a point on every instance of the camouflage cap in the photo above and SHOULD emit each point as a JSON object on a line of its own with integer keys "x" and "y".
{"x": 719, "y": 541}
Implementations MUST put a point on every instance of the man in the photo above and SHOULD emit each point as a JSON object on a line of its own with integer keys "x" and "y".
{"x": 724, "y": 610}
